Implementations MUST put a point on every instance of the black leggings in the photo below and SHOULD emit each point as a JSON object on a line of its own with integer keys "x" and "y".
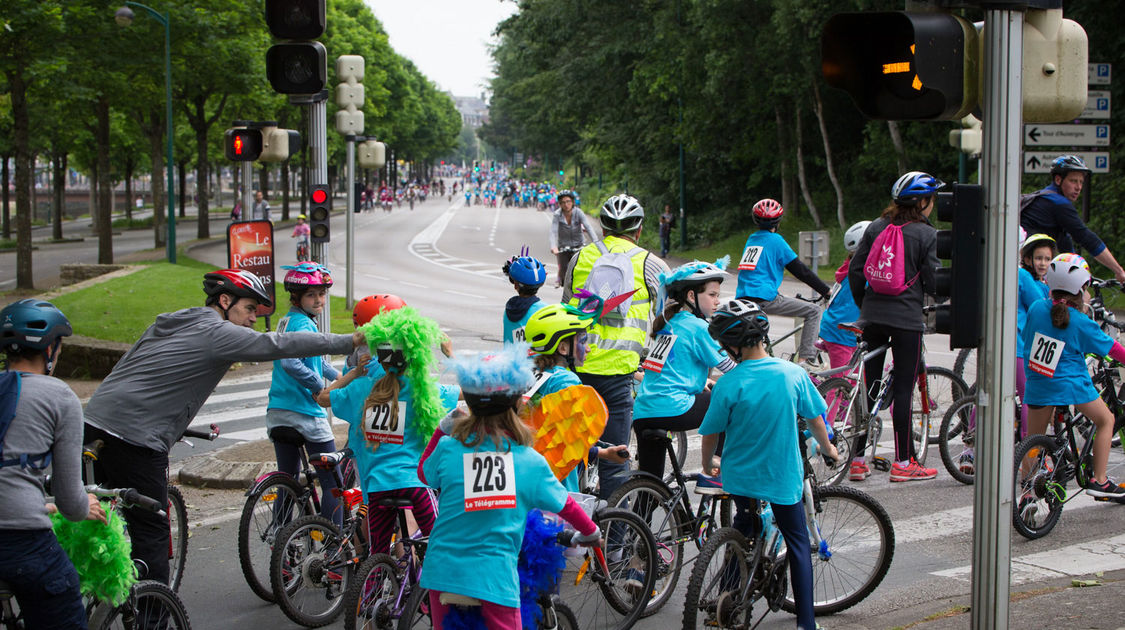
{"x": 906, "y": 348}
{"x": 650, "y": 453}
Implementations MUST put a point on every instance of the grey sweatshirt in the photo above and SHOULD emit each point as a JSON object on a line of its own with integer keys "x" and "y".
{"x": 48, "y": 417}
{"x": 157, "y": 388}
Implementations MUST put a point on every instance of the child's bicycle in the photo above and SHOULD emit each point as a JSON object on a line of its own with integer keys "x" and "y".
{"x": 384, "y": 593}
{"x": 772, "y": 344}
{"x": 851, "y": 540}
{"x": 303, "y": 252}
{"x": 958, "y": 433}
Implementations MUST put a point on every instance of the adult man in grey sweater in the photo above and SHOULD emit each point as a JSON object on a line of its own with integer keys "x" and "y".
{"x": 158, "y": 387}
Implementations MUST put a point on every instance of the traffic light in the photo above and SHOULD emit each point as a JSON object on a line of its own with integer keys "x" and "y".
{"x": 319, "y": 213}
{"x": 968, "y": 138}
{"x": 242, "y": 144}
{"x": 962, "y": 281}
{"x": 299, "y": 66}
{"x": 371, "y": 154}
{"x": 903, "y": 66}
{"x": 278, "y": 145}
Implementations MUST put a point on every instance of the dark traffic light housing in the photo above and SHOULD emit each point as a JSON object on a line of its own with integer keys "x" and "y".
{"x": 298, "y": 66}
{"x": 242, "y": 144}
{"x": 320, "y": 213}
{"x": 903, "y": 66}
{"x": 963, "y": 280}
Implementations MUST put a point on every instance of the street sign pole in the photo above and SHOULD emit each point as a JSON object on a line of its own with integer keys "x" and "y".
{"x": 350, "y": 213}
{"x": 992, "y": 492}
{"x": 247, "y": 196}
{"x": 318, "y": 174}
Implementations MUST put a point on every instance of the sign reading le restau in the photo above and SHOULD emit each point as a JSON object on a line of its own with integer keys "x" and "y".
{"x": 250, "y": 247}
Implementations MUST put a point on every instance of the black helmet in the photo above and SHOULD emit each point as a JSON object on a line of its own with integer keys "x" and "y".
{"x": 1067, "y": 163}
{"x": 621, "y": 214}
{"x": 739, "y": 323}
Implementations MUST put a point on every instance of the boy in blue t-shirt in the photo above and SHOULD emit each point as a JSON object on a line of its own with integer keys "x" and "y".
{"x": 761, "y": 455}
{"x": 763, "y": 263}
{"x": 527, "y": 274}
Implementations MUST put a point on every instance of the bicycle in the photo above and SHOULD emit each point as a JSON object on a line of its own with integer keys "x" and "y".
{"x": 302, "y": 252}
{"x": 958, "y": 433}
{"x": 384, "y": 585}
{"x": 666, "y": 507}
{"x": 273, "y": 501}
{"x": 851, "y": 540}
{"x": 773, "y": 343}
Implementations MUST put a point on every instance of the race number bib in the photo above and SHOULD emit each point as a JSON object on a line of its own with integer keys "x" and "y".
{"x": 540, "y": 378}
{"x": 659, "y": 349}
{"x": 1045, "y": 353}
{"x": 518, "y": 335}
{"x": 750, "y": 258}
{"x": 490, "y": 482}
{"x": 380, "y": 425}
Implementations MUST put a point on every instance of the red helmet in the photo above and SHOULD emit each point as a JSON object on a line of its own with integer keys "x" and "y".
{"x": 237, "y": 282}
{"x": 372, "y": 305}
{"x": 768, "y": 210}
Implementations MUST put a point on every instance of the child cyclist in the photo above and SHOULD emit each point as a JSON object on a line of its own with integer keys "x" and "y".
{"x": 762, "y": 459}
{"x": 674, "y": 394}
{"x": 393, "y": 409}
{"x": 1057, "y": 336}
{"x": 293, "y": 419}
{"x": 527, "y": 275}
{"x": 301, "y": 233}
{"x": 764, "y": 260}
{"x": 489, "y": 477}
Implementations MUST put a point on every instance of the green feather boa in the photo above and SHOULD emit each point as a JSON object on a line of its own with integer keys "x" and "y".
{"x": 100, "y": 553}
{"x": 417, "y": 336}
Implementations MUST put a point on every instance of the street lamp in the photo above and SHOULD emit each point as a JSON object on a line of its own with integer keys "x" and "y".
{"x": 124, "y": 17}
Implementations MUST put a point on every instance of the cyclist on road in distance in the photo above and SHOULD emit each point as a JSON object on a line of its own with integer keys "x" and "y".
{"x": 765, "y": 259}
{"x": 301, "y": 233}
{"x": 159, "y": 385}
{"x": 527, "y": 275}
{"x": 611, "y": 267}
{"x": 568, "y": 224}
{"x": 897, "y": 319}
{"x": 40, "y": 425}
{"x": 1051, "y": 211}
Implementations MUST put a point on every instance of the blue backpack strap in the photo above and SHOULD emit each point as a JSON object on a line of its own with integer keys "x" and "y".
{"x": 10, "y": 383}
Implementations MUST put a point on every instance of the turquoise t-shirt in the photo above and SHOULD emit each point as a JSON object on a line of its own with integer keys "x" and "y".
{"x": 762, "y": 265}
{"x": 1030, "y": 292}
{"x": 285, "y": 391}
{"x": 485, "y": 495}
{"x": 558, "y": 379}
{"x": 1055, "y": 359}
{"x": 757, "y": 404}
{"x": 841, "y": 310}
{"x": 512, "y": 328}
{"x": 390, "y": 466}
{"x": 671, "y": 391}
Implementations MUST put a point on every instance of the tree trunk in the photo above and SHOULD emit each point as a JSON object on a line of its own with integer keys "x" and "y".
{"x": 818, "y": 107}
{"x": 183, "y": 188}
{"x": 801, "y": 172}
{"x": 285, "y": 190}
{"x": 130, "y": 165}
{"x": 105, "y": 188}
{"x": 264, "y": 182}
{"x": 58, "y": 160}
{"x": 5, "y": 197}
{"x": 788, "y": 199}
{"x": 896, "y": 140}
{"x": 155, "y": 131}
{"x": 201, "y": 174}
{"x": 93, "y": 204}
{"x": 21, "y": 131}
{"x": 33, "y": 159}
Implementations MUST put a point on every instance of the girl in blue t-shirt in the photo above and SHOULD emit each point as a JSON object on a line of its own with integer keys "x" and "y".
{"x": 1057, "y": 336}
{"x": 674, "y": 394}
{"x": 1036, "y": 253}
{"x": 489, "y": 477}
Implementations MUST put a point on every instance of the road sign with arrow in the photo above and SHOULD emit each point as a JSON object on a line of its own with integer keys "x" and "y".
{"x": 1066, "y": 135}
{"x": 1040, "y": 161}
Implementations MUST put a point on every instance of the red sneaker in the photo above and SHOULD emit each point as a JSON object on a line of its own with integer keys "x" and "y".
{"x": 912, "y": 471}
{"x": 859, "y": 471}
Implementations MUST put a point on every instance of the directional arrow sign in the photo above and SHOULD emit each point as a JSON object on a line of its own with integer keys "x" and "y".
{"x": 1066, "y": 135}
{"x": 1040, "y": 161}
{"x": 1097, "y": 104}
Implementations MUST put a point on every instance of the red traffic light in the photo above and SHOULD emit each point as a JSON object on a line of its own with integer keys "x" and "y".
{"x": 242, "y": 144}
{"x": 319, "y": 195}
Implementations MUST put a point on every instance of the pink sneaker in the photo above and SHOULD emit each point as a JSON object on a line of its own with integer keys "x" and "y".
{"x": 859, "y": 471}
{"x": 912, "y": 471}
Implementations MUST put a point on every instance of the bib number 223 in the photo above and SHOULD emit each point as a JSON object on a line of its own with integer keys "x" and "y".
{"x": 490, "y": 483}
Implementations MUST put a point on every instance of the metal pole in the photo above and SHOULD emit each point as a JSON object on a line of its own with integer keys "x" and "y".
{"x": 247, "y": 196}
{"x": 349, "y": 211}
{"x": 318, "y": 174}
{"x": 992, "y": 496}
{"x": 168, "y": 158}
{"x": 683, "y": 191}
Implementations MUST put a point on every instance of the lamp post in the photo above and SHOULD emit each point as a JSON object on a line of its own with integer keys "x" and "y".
{"x": 124, "y": 17}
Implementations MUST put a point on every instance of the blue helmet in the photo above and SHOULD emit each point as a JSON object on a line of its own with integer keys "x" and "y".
{"x": 915, "y": 185}
{"x": 527, "y": 270}
{"x": 1067, "y": 163}
{"x": 33, "y": 324}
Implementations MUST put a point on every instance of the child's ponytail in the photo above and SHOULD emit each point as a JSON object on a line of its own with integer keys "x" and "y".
{"x": 671, "y": 307}
{"x": 1060, "y": 310}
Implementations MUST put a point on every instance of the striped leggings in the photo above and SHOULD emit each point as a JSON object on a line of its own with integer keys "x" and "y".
{"x": 381, "y": 520}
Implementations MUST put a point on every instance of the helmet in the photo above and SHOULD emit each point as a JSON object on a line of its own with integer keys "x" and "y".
{"x": 739, "y": 323}
{"x": 854, "y": 235}
{"x": 31, "y": 323}
{"x": 526, "y": 270}
{"x": 391, "y": 357}
{"x": 306, "y": 275}
{"x": 693, "y": 274}
{"x": 1067, "y": 163}
{"x": 494, "y": 383}
{"x": 767, "y": 213}
{"x": 621, "y": 214}
{"x": 1068, "y": 272}
{"x": 301, "y": 216}
{"x": 237, "y": 282}
{"x": 372, "y": 305}
{"x": 565, "y": 193}
{"x": 913, "y": 186}
{"x": 1035, "y": 240}
{"x": 550, "y": 325}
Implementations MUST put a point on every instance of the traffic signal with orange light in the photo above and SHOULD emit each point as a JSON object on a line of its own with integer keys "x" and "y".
{"x": 242, "y": 144}
{"x": 320, "y": 214}
{"x": 962, "y": 281}
{"x": 299, "y": 66}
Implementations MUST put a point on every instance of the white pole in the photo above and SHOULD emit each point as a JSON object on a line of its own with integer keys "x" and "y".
{"x": 350, "y": 289}
{"x": 318, "y": 174}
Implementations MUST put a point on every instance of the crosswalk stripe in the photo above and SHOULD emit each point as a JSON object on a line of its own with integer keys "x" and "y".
{"x": 1081, "y": 558}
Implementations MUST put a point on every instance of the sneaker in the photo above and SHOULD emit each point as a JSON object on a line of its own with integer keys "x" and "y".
{"x": 811, "y": 365}
{"x": 705, "y": 484}
{"x": 965, "y": 462}
{"x": 912, "y": 471}
{"x": 859, "y": 471}
{"x": 634, "y": 581}
{"x": 1108, "y": 490}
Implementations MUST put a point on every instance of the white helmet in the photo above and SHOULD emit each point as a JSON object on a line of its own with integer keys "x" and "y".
{"x": 854, "y": 235}
{"x": 1068, "y": 272}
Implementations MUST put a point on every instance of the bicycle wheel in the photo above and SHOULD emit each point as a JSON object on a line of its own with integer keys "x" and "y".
{"x": 150, "y": 605}
{"x": 652, "y": 501}
{"x": 944, "y": 388}
{"x": 564, "y": 617}
{"x": 858, "y": 544}
{"x": 372, "y": 599}
{"x": 837, "y": 392}
{"x": 1039, "y": 490}
{"x": 955, "y": 437}
{"x": 966, "y": 359}
{"x": 271, "y": 504}
{"x": 178, "y": 539}
{"x": 416, "y": 612}
{"x": 717, "y": 581}
{"x": 613, "y": 600}
{"x": 310, "y": 570}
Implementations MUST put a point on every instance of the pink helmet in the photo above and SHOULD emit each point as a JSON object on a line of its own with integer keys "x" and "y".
{"x": 767, "y": 212}
{"x": 306, "y": 275}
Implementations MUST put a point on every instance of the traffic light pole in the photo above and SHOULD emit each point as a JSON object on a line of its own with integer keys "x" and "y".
{"x": 247, "y": 196}
{"x": 318, "y": 174}
{"x": 350, "y": 212}
{"x": 992, "y": 496}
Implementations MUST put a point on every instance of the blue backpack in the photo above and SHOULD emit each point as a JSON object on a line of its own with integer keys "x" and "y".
{"x": 9, "y": 397}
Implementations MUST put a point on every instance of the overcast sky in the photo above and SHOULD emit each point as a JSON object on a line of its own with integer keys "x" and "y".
{"x": 447, "y": 39}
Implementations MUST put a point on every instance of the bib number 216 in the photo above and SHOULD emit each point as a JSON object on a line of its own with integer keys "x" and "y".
{"x": 490, "y": 483}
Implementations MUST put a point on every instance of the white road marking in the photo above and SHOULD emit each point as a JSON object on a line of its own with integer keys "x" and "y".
{"x": 249, "y": 398}
{"x": 414, "y": 284}
{"x": 469, "y": 295}
{"x": 373, "y": 276}
{"x": 1081, "y": 558}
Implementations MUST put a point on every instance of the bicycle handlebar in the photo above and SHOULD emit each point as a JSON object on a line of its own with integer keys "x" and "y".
{"x": 128, "y": 496}
{"x": 209, "y": 435}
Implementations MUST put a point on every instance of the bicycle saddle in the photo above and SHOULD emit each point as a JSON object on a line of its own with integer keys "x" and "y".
{"x": 654, "y": 434}
{"x": 394, "y": 502}
{"x": 453, "y": 599}
{"x": 852, "y": 327}
{"x": 329, "y": 460}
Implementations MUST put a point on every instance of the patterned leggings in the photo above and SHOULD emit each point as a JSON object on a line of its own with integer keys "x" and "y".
{"x": 381, "y": 520}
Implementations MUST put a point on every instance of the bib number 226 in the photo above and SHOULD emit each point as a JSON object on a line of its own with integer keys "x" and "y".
{"x": 489, "y": 481}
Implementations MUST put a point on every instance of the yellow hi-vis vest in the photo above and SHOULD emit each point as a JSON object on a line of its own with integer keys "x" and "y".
{"x": 616, "y": 342}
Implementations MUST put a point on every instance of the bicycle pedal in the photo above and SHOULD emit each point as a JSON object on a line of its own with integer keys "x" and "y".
{"x": 881, "y": 463}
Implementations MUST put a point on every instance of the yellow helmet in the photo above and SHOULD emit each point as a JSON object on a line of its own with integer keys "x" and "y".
{"x": 550, "y": 325}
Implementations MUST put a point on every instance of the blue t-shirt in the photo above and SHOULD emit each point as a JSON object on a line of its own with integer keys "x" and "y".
{"x": 671, "y": 391}
{"x": 841, "y": 310}
{"x": 1030, "y": 292}
{"x": 757, "y": 404}
{"x": 285, "y": 391}
{"x": 474, "y": 553}
{"x": 1055, "y": 363}
{"x": 762, "y": 265}
{"x": 390, "y": 465}
{"x": 511, "y": 327}
{"x": 559, "y": 378}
